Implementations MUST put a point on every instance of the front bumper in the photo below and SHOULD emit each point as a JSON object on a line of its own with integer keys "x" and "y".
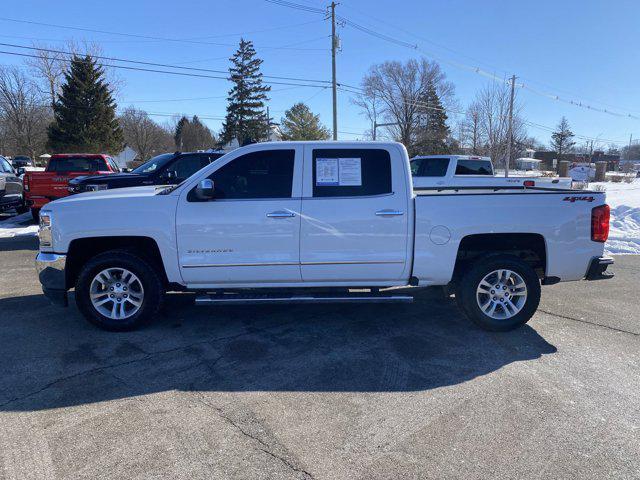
{"x": 8, "y": 202}
{"x": 51, "y": 273}
{"x": 598, "y": 267}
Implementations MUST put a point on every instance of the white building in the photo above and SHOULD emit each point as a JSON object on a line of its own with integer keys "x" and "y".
{"x": 527, "y": 163}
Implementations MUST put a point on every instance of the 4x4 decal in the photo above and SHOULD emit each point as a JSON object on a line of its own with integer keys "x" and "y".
{"x": 578, "y": 199}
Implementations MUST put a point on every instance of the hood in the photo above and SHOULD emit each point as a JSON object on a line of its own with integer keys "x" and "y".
{"x": 105, "y": 195}
{"x": 84, "y": 179}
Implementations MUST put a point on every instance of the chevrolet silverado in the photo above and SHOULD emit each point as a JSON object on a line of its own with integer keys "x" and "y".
{"x": 312, "y": 222}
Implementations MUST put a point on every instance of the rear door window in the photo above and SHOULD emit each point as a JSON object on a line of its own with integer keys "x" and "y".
{"x": 351, "y": 172}
{"x": 77, "y": 164}
{"x": 429, "y": 167}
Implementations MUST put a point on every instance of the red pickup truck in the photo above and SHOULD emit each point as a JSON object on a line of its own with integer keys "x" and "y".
{"x": 42, "y": 187}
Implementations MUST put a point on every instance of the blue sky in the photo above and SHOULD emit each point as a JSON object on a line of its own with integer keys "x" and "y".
{"x": 581, "y": 50}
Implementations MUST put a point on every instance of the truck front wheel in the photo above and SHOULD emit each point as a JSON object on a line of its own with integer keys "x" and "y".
{"x": 118, "y": 290}
{"x": 499, "y": 293}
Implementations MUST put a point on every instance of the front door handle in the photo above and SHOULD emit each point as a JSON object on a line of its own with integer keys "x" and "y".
{"x": 389, "y": 213}
{"x": 281, "y": 214}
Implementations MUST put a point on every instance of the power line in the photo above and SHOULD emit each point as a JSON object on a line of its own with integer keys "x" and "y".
{"x": 152, "y": 64}
{"x": 150, "y": 70}
{"x": 297, "y": 6}
{"x": 134, "y": 35}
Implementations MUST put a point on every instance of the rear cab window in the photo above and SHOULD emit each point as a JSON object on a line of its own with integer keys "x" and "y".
{"x": 474, "y": 167}
{"x": 351, "y": 172}
{"x": 77, "y": 163}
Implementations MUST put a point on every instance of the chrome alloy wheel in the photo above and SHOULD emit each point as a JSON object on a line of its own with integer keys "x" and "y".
{"x": 116, "y": 293}
{"x": 501, "y": 294}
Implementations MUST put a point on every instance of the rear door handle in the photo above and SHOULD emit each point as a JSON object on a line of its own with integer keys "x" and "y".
{"x": 389, "y": 213}
{"x": 281, "y": 214}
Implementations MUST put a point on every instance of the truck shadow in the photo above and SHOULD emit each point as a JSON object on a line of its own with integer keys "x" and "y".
{"x": 53, "y": 358}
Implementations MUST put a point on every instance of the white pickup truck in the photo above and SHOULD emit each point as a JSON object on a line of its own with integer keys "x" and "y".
{"x": 464, "y": 171}
{"x": 312, "y": 222}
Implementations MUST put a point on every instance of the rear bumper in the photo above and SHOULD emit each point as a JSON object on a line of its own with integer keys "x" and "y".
{"x": 38, "y": 202}
{"x": 598, "y": 267}
{"x": 51, "y": 273}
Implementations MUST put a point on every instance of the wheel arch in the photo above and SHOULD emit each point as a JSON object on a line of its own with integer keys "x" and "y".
{"x": 529, "y": 247}
{"x": 83, "y": 249}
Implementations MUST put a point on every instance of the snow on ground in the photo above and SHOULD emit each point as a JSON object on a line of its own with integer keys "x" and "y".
{"x": 624, "y": 200}
{"x": 18, "y": 225}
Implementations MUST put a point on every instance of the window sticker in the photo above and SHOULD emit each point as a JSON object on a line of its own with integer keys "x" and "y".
{"x": 338, "y": 172}
{"x": 327, "y": 172}
{"x": 350, "y": 172}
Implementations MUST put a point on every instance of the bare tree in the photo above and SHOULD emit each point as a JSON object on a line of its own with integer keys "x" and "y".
{"x": 400, "y": 90}
{"x": 51, "y": 63}
{"x": 144, "y": 135}
{"x": 469, "y": 130}
{"x": 23, "y": 113}
{"x": 371, "y": 107}
{"x": 492, "y": 107}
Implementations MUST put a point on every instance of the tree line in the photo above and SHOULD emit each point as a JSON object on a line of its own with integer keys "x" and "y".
{"x": 62, "y": 104}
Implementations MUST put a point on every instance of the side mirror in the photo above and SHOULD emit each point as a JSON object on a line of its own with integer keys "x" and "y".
{"x": 205, "y": 189}
{"x": 20, "y": 171}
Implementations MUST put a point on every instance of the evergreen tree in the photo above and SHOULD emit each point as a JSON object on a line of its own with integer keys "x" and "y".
{"x": 177, "y": 136}
{"x": 432, "y": 131}
{"x": 562, "y": 138}
{"x": 193, "y": 135}
{"x": 245, "y": 119}
{"x": 299, "y": 123}
{"x": 85, "y": 112}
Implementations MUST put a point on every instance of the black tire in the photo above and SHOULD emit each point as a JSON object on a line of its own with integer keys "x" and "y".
{"x": 146, "y": 273}
{"x": 22, "y": 208}
{"x": 468, "y": 301}
{"x": 35, "y": 214}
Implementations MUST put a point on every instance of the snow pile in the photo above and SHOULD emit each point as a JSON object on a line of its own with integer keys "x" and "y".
{"x": 17, "y": 226}
{"x": 624, "y": 200}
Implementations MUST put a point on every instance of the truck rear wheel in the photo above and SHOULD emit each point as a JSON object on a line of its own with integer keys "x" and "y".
{"x": 499, "y": 293}
{"x": 118, "y": 291}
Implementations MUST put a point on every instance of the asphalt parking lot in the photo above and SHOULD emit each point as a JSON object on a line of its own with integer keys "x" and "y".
{"x": 323, "y": 392}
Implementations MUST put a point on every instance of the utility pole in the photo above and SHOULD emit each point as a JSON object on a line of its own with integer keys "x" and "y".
{"x": 629, "y": 150}
{"x": 334, "y": 44}
{"x": 510, "y": 134}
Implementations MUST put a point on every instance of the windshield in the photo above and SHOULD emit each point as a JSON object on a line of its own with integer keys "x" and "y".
{"x": 154, "y": 164}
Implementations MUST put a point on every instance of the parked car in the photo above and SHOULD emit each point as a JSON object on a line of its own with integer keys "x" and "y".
{"x": 11, "y": 192}
{"x": 164, "y": 169}
{"x": 307, "y": 221}
{"x": 434, "y": 171}
{"x": 51, "y": 184}
{"x": 21, "y": 161}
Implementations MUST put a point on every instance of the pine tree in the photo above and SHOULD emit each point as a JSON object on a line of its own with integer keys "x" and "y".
{"x": 562, "y": 138}
{"x": 299, "y": 123}
{"x": 177, "y": 136}
{"x": 246, "y": 119}
{"x": 432, "y": 131}
{"x": 85, "y": 113}
{"x": 193, "y": 135}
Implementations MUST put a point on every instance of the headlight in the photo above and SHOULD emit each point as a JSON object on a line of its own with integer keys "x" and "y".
{"x": 44, "y": 232}
{"x": 95, "y": 188}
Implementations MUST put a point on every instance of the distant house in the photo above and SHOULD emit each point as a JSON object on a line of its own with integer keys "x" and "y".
{"x": 526, "y": 163}
{"x": 550, "y": 159}
{"x": 125, "y": 157}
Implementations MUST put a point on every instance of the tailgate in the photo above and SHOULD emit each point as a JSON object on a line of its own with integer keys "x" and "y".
{"x": 52, "y": 184}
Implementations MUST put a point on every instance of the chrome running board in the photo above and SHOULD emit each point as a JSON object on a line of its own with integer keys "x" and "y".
{"x": 217, "y": 299}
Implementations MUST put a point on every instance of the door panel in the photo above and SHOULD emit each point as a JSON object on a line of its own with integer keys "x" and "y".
{"x": 236, "y": 241}
{"x": 251, "y": 231}
{"x": 354, "y": 237}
